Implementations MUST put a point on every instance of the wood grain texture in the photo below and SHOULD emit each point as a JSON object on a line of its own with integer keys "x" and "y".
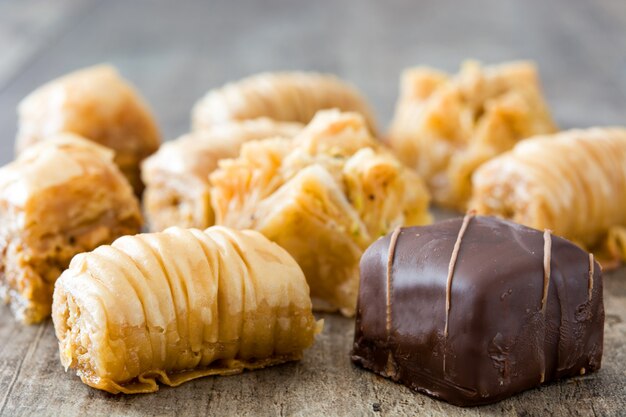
{"x": 324, "y": 383}
{"x": 24, "y": 32}
{"x": 175, "y": 51}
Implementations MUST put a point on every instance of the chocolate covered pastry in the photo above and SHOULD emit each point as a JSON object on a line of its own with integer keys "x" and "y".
{"x": 446, "y": 126}
{"x": 473, "y": 310}
{"x": 60, "y": 197}
{"x": 98, "y": 104}
{"x": 177, "y": 175}
{"x": 324, "y": 196}
{"x": 573, "y": 183}
{"x": 282, "y": 96}
{"x": 180, "y": 305}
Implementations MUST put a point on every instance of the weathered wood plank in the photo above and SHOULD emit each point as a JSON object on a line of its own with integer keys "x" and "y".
{"x": 175, "y": 51}
{"x": 324, "y": 383}
{"x": 26, "y": 28}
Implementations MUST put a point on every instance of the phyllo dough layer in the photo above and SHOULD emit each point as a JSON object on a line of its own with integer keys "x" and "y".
{"x": 284, "y": 96}
{"x": 98, "y": 104}
{"x": 60, "y": 197}
{"x": 573, "y": 183}
{"x": 446, "y": 126}
{"x": 177, "y": 176}
{"x": 178, "y": 305}
{"x": 324, "y": 196}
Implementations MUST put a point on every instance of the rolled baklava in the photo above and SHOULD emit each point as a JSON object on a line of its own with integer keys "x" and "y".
{"x": 177, "y": 175}
{"x": 446, "y": 126}
{"x": 573, "y": 183}
{"x": 324, "y": 196}
{"x": 60, "y": 197}
{"x": 179, "y": 305}
{"x": 98, "y": 104}
{"x": 283, "y": 96}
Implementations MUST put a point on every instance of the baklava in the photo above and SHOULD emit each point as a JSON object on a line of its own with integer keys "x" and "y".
{"x": 60, "y": 197}
{"x": 178, "y": 305}
{"x": 282, "y": 96}
{"x": 573, "y": 183}
{"x": 324, "y": 196}
{"x": 446, "y": 126}
{"x": 177, "y": 176}
{"x": 98, "y": 104}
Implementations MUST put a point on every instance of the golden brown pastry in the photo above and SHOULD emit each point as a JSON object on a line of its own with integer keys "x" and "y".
{"x": 446, "y": 126}
{"x": 573, "y": 183}
{"x": 284, "y": 96}
{"x": 324, "y": 196}
{"x": 177, "y": 176}
{"x": 179, "y": 305}
{"x": 60, "y": 197}
{"x": 98, "y": 104}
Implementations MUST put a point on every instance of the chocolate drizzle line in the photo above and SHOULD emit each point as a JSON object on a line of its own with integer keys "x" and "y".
{"x": 591, "y": 271}
{"x": 451, "y": 265}
{"x": 547, "y": 257}
{"x": 388, "y": 324}
{"x": 547, "y": 252}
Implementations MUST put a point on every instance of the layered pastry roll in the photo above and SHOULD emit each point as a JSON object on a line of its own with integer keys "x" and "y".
{"x": 324, "y": 196}
{"x": 573, "y": 183}
{"x": 284, "y": 96}
{"x": 446, "y": 126}
{"x": 60, "y": 197}
{"x": 177, "y": 176}
{"x": 178, "y": 305}
{"x": 98, "y": 104}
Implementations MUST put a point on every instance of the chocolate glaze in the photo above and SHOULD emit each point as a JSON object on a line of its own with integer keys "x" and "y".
{"x": 474, "y": 310}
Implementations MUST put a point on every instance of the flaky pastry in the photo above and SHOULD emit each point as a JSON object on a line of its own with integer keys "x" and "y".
{"x": 177, "y": 175}
{"x": 324, "y": 196}
{"x": 573, "y": 183}
{"x": 446, "y": 126}
{"x": 60, "y": 197}
{"x": 283, "y": 96}
{"x": 95, "y": 103}
{"x": 179, "y": 305}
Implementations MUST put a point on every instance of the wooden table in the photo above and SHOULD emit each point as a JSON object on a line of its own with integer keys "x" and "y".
{"x": 175, "y": 51}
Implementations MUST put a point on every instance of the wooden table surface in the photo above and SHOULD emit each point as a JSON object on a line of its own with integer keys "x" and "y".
{"x": 174, "y": 51}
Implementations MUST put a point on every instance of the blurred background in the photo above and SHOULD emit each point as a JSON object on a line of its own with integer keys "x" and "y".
{"x": 174, "y": 51}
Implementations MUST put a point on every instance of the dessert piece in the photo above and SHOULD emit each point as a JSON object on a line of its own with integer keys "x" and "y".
{"x": 474, "y": 310}
{"x": 177, "y": 175}
{"x": 573, "y": 183}
{"x": 179, "y": 305}
{"x": 284, "y": 96}
{"x": 324, "y": 196}
{"x": 60, "y": 197}
{"x": 446, "y": 126}
{"x": 101, "y": 106}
